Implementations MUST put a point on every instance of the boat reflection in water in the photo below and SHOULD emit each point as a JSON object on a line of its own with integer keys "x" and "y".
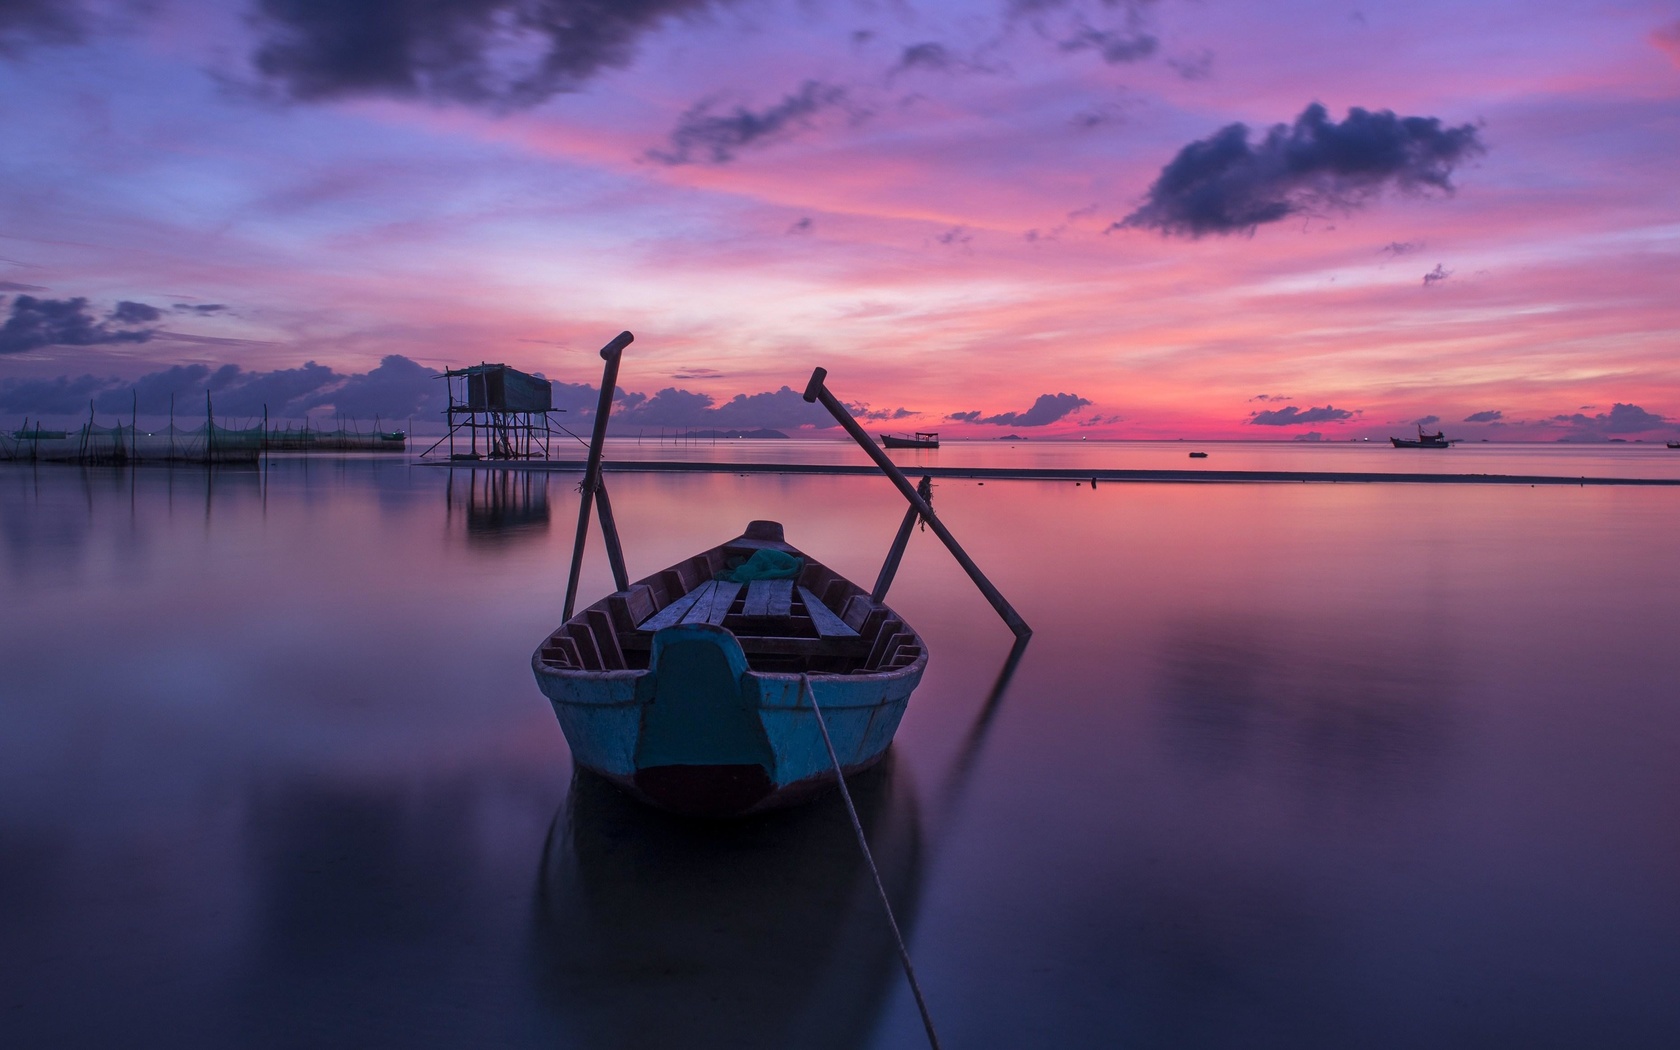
{"x": 655, "y": 931}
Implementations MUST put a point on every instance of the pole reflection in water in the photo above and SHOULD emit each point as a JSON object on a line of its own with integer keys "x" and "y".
{"x": 653, "y": 930}
{"x": 502, "y": 506}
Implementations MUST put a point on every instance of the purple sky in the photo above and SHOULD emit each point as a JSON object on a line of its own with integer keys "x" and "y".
{"x": 1140, "y": 219}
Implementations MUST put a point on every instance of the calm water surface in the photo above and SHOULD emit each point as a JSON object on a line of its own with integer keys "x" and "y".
{"x": 1284, "y": 765}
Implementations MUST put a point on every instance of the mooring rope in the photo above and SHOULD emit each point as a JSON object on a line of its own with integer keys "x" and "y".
{"x": 869, "y": 858}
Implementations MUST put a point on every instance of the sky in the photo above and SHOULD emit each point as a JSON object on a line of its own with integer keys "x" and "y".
{"x": 1065, "y": 218}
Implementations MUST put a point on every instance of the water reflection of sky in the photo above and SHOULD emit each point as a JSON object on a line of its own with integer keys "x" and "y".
{"x": 1283, "y": 765}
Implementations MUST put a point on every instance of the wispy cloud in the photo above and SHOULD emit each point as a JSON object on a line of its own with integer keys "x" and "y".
{"x": 703, "y": 134}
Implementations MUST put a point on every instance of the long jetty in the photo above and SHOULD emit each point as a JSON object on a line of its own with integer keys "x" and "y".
{"x": 1063, "y": 474}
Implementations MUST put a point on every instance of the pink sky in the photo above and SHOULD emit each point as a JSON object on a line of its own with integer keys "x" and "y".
{"x": 920, "y": 197}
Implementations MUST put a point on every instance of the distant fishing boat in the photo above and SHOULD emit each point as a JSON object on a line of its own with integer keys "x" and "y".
{"x": 921, "y": 439}
{"x": 688, "y": 689}
{"x": 1435, "y": 440}
{"x": 1674, "y": 444}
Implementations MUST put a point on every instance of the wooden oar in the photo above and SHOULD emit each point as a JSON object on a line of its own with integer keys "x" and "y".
{"x": 592, "y": 481}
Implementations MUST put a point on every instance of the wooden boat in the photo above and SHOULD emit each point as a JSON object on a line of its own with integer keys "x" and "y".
{"x": 693, "y": 691}
{"x": 1435, "y": 440}
{"x": 1674, "y": 444}
{"x": 922, "y": 439}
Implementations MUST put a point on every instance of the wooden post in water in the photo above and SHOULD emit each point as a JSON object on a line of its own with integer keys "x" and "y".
{"x": 889, "y": 568}
{"x": 592, "y": 482}
{"x": 815, "y": 390}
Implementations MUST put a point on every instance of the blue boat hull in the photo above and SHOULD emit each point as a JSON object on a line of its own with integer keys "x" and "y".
{"x": 702, "y": 731}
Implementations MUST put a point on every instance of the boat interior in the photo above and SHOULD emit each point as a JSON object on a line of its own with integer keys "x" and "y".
{"x": 818, "y": 623}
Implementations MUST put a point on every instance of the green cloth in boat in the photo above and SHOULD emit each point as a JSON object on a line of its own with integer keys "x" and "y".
{"x": 764, "y": 564}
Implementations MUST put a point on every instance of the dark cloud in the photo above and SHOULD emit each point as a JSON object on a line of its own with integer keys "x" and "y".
{"x": 667, "y": 408}
{"x": 1047, "y": 409}
{"x": 181, "y": 386}
{"x": 35, "y": 323}
{"x": 128, "y": 313}
{"x": 782, "y": 409}
{"x": 1227, "y": 184}
{"x": 930, "y": 56}
{"x": 1292, "y": 416}
{"x": 397, "y": 389}
{"x": 201, "y": 308}
{"x": 955, "y": 235}
{"x": 714, "y": 137}
{"x": 1398, "y": 248}
{"x": 60, "y": 396}
{"x": 1116, "y": 46}
{"x": 1621, "y": 419}
{"x": 498, "y": 53}
{"x": 26, "y": 22}
{"x": 1490, "y": 416}
{"x": 14, "y": 286}
{"x": 802, "y": 226}
{"x": 1440, "y": 273}
{"x": 1426, "y": 421}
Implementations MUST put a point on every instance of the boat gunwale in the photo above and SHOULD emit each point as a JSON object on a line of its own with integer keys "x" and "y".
{"x": 542, "y": 667}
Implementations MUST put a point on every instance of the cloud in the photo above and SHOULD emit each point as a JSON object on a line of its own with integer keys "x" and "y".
{"x": 397, "y": 389}
{"x": 1490, "y": 416}
{"x": 802, "y": 226}
{"x": 1292, "y": 416}
{"x": 61, "y": 396}
{"x": 1440, "y": 273}
{"x": 1426, "y": 421}
{"x": 1116, "y": 46}
{"x": 25, "y": 22}
{"x": 955, "y": 235}
{"x": 1226, "y": 184}
{"x": 1399, "y": 248}
{"x": 1621, "y": 419}
{"x": 717, "y": 138}
{"x": 502, "y": 54}
{"x": 202, "y": 308}
{"x": 35, "y": 323}
{"x": 933, "y": 57}
{"x": 128, "y": 313}
{"x": 1198, "y": 66}
{"x": 14, "y": 286}
{"x": 1047, "y": 409}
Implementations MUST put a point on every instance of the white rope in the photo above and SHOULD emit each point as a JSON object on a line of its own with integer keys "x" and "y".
{"x": 863, "y": 844}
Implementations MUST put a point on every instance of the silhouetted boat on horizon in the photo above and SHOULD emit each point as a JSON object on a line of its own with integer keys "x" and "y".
{"x": 921, "y": 439}
{"x": 1435, "y": 440}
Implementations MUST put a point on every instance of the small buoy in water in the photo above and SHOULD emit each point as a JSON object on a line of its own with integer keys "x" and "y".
{"x": 1093, "y": 482}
